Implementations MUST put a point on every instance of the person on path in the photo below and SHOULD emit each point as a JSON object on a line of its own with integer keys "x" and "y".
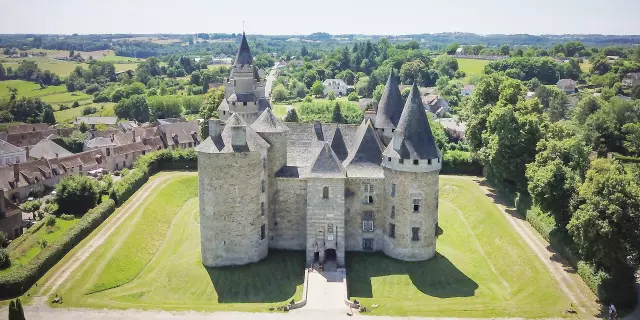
{"x": 613, "y": 313}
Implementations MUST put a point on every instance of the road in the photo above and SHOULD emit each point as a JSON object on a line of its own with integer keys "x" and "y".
{"x": 270, "y": 79}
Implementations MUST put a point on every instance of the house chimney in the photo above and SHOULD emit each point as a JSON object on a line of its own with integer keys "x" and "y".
{"x": 317, "y": 128}
{"x": 133, "y": 133}
{"x": 27, "y": 150}
{"x": 239, "y": 136}
{"x": 3, "y": 205}
{"x": 215, "y": 128}
{"x": 16, "y": 172}
{"x": 397, "y": 140}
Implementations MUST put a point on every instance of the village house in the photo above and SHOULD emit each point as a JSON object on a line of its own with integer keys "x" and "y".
{"x": 10, "y": 154}
{"x": 179, "y": 135}
{"x": 10, "y": 217}
{"x": 93, "y": 121}
{"x": 467, "y": 90}
{"x": 127, "y": 125}
{"x": 337, "y": 86}
{"x": 631, "y": 79}
{"x": 19, "y": 181}
{"x": 435, "y": 104}
{"x": 47, "y": 149}
{"x": 455, "y": 127}
{"x": 567, "y": 85}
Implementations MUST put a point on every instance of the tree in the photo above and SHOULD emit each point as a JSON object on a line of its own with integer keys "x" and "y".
{"x": 192, "y": 104}
{"x": 161, "y": 107}
{"x": 411, "y": 71}
{"x": 600, "y": 65}
{"x": 4, "y": 239}
{"x": 331, "y": 96}
{"x": 3, "y": 72}
{"x": 292, "y": 116}
{"x": 317, "y": 89}
{"x": 635, "y": 92}
{"x": 586, "y": 107}
{"x": 337, "y": 116}
{"x": 13, "y": 311}
{"x": 20, "y": 310}
{"x": 83, "y": 127}
{"x": 377, "y": 93}
{"x": 48, "y": 116}
{"x": 363, "y": 87}
{"x": 504, "y": 50}
{"x": 604, "y": 227}
{"x": 133, "y": 108}
{"x": 5, "y": 261}
{"x": 354, "y": 97}
{"x": 279, "y": 92}
{"x": 573, "y": 48}
{"x": 76, "y": 195}
{"x": 209, "y": 109}
{"x": 75, "y": 104}
{"x": 446, "y": 65}
{"x": 632, "y": 137}
{"x": 452, "y": 48}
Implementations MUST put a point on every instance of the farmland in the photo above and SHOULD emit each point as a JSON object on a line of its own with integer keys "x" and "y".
{"x": 472, "y": 67}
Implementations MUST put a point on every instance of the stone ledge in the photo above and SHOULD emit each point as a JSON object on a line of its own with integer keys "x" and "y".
{"x": 346, "y": 292}
{"x": 303, "y": 302}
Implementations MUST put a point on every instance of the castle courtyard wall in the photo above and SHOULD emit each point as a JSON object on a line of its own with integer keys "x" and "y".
{"x": 322, "y": 212}
{"x": 288, "y": 223}
{"x": 356, "y": 208}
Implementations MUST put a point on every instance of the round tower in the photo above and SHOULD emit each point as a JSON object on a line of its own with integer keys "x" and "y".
{"x": 411, "y": 164}
{"x": 233, "y": 192}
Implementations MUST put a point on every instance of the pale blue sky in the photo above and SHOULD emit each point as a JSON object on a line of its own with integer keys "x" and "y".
{"x": 332, "y": 16}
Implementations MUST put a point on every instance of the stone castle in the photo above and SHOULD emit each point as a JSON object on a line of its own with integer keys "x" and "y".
{"x": 323, "y": 188}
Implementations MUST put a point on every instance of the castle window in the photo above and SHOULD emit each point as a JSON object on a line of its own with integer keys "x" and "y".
{"x": 330, "y": 228}
{"x": 415, "y": 234}
{"x": 263, "y": 186}
{"x": 392, "y": 230}
{"x": 367, "y": 244}
{"x": 325, "y": 193}
{"x": 393, "y": 211}
{"x": 367, "y": 193}
{"x": 264, "y": 163}
{"x": 367, "y": 222}
{"x": 429, "y": 161}
{"x": 244, "y": 103}
{"x": 382, "y": 129}
{"x": 401, "y": 161}
{"x": 416, "y": 205}
{"x": 415, "y": 162}
{"x": 108, "y": 152}
{"x": 393, "y": 189}
{"x": 389, "y": 159}
{"x": 263, "y": 232}
{"x": 262, "y": 208}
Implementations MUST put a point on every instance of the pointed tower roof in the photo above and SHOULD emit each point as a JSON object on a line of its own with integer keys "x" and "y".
{"x": 390, "y": 105}
{"x": 268, "y": 122}
{"x": 413, "y": 138}
{"x": 244, "y": 53}
{"x": 338, "y": 146}
{"x": 236, "y": 136}
{"x": 365, "y": 154}
{"x": 326, "y": 164}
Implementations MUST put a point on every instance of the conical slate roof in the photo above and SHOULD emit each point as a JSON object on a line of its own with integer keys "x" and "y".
{"x": 390, "y": 105}
{"x": 244, "y": 53}
{"x": 267, "y": 122}
{"x": 223, "y": 143}
{"x": 338, "y": 145}
{"x": 326, "y": 164}
{"x": 414, "y": 132}
{"x": 365, "y": 154}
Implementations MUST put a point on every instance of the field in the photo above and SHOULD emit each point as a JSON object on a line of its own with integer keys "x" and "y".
{"x": 482, "y": 268}
{"x": 153, "y": 261}
{"x": 69, "y": 115}
{"x": 472, "y": 67}
{"x": 26, "y": 247}
{"x": 54, "y": 95}
{"x": 61, "y": 68}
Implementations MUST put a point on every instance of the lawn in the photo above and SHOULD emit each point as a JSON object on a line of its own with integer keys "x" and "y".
{"x": 153, "y": 262}
{"x": 27, "y": 246}
{"x": 482, "y": 268}
{"x": 472, "y": 67}
{"x": 59, "y": 67}
{"x": 54, "y": 95}
{"x": 125, "y": 66}
{"x": 104, "y": 109}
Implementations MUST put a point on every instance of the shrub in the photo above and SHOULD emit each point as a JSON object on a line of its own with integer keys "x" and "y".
{"x": 63, "y": 107}
{"x": 460, "y": 162}
{"x": 67, "y": 217}
{"x": 4, "y": 239}
{"x": 19, "y": 280}
{"x": 76, "y": 194}
{"x": 31, "y": 206}
{"x": 92, "y": 88}
{"x": 124, "y": 172}
{"x": 5, "y": 261}
{"x": 323, "y": 111}
{"x": 89, "y": 110}
{"x": 353, "y": 96}
{"x": 50, "y": 208}
{"x": 43, "y": 243}
{"x": 76, "y": 104}
{"x": 49, "y": 220}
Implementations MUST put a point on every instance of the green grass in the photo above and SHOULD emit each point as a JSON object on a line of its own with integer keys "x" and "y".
{"x": 29, "y": 247}
{"x": 126, "y": 66}
{"x": 153, "y": 261}
{"x": 482, "y": 268}
{"x": 59, "y": 67}
{"x": 105, "y": 109}
{"x": 472, "y": 67}
{"x": 119, "y": 59}
{"x": 55, "y": 95}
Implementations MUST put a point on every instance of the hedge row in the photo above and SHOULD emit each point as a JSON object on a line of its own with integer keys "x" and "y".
{"x": 149, "y": 164}
{"x": 17, "y": 281}
{"x": 460, "y": 162}
{"x": 622, "y": 158}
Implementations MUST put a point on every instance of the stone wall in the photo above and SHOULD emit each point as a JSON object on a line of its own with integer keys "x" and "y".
{"x": 320, "y": 213}
{"x": 410, "y": 185}
{"x": 355, "y": 210}
{"x": 230, "y": 213}
{"x": 288, "y": 221}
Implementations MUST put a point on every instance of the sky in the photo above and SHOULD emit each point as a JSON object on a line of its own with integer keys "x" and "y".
{"x": 296, "y": 17}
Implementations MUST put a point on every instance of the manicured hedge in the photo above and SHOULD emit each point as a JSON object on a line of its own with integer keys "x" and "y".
{"x": 460, "y": 162}
{"x": 17, "y": 281}
{"x": 622, "y": 158}
{"x": 148, "y": 165}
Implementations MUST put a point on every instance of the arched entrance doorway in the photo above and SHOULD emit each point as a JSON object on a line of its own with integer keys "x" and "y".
{"x": 330, "y": 255}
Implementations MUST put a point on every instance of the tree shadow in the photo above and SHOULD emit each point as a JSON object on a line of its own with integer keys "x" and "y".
{"x": 273, "y": 279}
{"x": 436, "y": 277}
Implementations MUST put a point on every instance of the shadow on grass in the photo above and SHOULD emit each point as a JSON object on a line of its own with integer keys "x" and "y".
{"x": 273, "y": 279}
{"x": 436, "y": 277}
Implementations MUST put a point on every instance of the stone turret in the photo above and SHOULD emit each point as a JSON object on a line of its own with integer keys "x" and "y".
{"x": 412, "y": 163}
{"x": 233, "y": 219}
{"x": 389, "y": 109}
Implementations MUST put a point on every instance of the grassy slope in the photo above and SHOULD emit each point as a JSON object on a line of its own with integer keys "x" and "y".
{"x": 54, "y": 95}
{"x": 472, "y": 67}
{"x": 483, "y": 268}
{"x": 154, "y": 262}
{"x": 29, "y": 248}
{"x": 59, "y": 67}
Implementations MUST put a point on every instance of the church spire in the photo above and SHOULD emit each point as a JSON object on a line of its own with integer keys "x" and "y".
{"x": 244, "y": 53}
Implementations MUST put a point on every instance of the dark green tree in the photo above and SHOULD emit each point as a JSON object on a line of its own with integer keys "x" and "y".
{"x": 76, "y": 195}
{"x": 292, "y": 116}
{"x": 337, "y": 116}
{"x": 48, "y": 116}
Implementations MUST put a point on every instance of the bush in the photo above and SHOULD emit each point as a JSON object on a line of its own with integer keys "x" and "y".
{"x": 4, "y": 240}
{"x": 76, "y": 194}
{"x": 323, "y": 111}
{"x": 124, "y": 172}
{"x": 31, "y": 206}
{"x": 353, "y": 96}
{"x": 89, "y": 110}
{"x": 460, "y": 162}
{"x": 50, "y": 208}
{"x": 17, "y": 281}
{"x": 63, "y": 107}
{"x": 49, "y": 220}
{"x": 76, "y": 104}
{"x": 67, "y": 217}
{"x": 5, "y": 261}
{"x": 43, "y": 243}
{"x": 91, "y": 89}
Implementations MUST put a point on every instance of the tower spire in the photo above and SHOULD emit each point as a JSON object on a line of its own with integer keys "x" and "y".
{"x": 244, "y": 53}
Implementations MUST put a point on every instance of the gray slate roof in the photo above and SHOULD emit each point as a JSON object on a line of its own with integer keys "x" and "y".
{"x": 326, "y": 164}
{"x": 390, "y": 106}
{"x": 48, "y": 149}
{"x": 96, "y": 120}
{"x": 244, "y": 53}
{"x": 365, "y": 154}
{"x": 303, "y": 144}
{"x": 267, "y": 122}
{"x": 413, "y": 129}
{"x": 6, "y": 148}
{"x": 222, "y": 143}
{"x": 338, "y": 145}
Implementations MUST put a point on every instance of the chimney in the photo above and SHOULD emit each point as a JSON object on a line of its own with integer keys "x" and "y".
{"x": 215, "y": 128}
{"x": 239, "y": 136}
{"x": 397, "y": 140}
{"x": 16, "y": 172}
{"x": 133, "y": 133}
{"x": 3, "y": 205}
{"x": 27, "y": 150}
{"x": 317, "y": 128}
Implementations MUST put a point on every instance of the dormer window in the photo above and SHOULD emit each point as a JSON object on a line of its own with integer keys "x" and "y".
{"x": 325, "y": 193}
{"x": 415, "y": 162}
